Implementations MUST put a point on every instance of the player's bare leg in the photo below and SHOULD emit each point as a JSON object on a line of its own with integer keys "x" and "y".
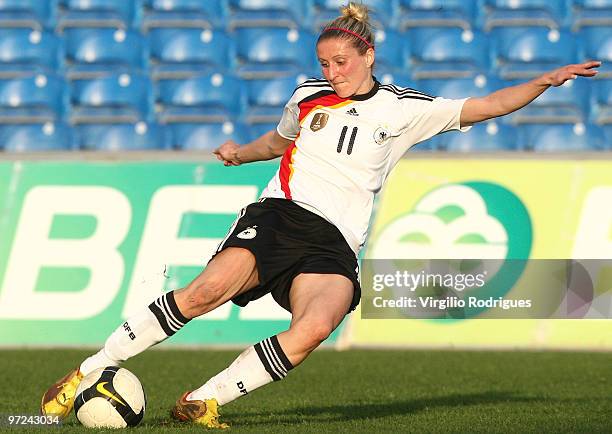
{"x": 229, "y": 274}
{"x": 319, "y": 303}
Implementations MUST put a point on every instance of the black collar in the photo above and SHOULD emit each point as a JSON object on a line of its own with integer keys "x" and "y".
{"x": 370, "y": 94}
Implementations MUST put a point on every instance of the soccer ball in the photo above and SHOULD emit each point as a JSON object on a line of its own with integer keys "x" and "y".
{"x": 110, "y": 397}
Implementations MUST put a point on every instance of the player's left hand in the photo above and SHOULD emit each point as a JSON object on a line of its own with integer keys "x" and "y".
{"x": 570, "y": 72}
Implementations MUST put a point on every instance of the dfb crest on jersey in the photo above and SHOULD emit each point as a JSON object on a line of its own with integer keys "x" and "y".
{"x": 319, "y": 120}
{"x": 381, "y": 135}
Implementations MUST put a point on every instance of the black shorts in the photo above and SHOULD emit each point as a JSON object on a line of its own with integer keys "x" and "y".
{"x": 287, "y": 240}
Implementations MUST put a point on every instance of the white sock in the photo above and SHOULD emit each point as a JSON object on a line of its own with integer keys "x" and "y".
{"x": 255, "y": 367}
{"x": 160, "y": 320}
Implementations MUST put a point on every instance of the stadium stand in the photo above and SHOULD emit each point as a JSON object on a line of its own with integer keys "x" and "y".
{"x": 591, "y": 13}
{"x": 110, "y": 98}
{"x": 562, "y": 137}
{"x": 204, "y": 135}
{"x": 259, "y": 129}
{"x": 568, "y": 103}
{"x": 601, "y": 102}
{"x": 426, "y": 146}
{"x": 33, "y": 14}
{"x": 121, "y": 137}
{"x": 34, "y": 98}
{"x": 596, "y": 43}
{"x": 526, "y": 52}
{"x": 24, "y": 50}
{"x": 510, "y": 13}
{"x": 90, "y": 51}
{"x": 100, "y": 68}
{"x": 486, "y": 137}
{"x": 97, "y": 13}
{"x": 182, "y": 52}
{"x": 392, "y": 50}
{"x": 273, "y": 52}
{"x": 201, "y": 98}
{"x": 476, "y": 86}
{"x": 438, "y": 13}
{"x": 183, "y": 13}
{"x": 268, "y": 13}
{"x": 439, "y": 52}
{"x": 383, "y": 12}
{"x": 36, "y": 137}
{"x": 266, "y": 98}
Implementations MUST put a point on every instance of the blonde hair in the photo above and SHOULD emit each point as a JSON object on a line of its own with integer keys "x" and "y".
{"x": 353, "y": 25}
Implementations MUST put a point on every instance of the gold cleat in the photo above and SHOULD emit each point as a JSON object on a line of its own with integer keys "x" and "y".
{"x": 201, "y": 412}
{"x": 59, "y": 399}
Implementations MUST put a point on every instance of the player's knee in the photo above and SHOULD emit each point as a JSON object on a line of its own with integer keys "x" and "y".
{"x": 321, "y": 331}
{"x": 314, "y": 332}
{"x": 206, "y": 292}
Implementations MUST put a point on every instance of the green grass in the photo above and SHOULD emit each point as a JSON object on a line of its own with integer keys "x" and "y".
{"x": 358, "y": 391}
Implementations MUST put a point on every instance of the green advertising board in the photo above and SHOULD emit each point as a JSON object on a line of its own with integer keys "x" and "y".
{"x": 84, "y": 244}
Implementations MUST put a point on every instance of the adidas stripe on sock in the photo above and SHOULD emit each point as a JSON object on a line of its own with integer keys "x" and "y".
{"x": 168, "y": 314}
{"x": 273, "y": 358}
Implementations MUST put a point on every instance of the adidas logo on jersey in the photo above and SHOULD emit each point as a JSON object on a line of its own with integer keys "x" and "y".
{"x": 352, "y": 112}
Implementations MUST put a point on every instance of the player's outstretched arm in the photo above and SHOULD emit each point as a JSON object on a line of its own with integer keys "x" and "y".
{"x": 512, "y": 98}
{"x": 266, "y": 147}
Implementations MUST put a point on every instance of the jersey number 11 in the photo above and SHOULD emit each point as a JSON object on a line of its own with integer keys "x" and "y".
{"x": 349, "y": 150}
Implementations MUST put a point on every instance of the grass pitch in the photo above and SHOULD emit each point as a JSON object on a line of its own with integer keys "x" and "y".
{"x": 357, "y": 391}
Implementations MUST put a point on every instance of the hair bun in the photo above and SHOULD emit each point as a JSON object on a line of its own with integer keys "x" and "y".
{"x": 357, "y": 11}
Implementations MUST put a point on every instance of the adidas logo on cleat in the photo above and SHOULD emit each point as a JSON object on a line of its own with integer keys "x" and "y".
{"x": 352, "y": 112}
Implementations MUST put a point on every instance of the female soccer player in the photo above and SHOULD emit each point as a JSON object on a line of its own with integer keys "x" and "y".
{"x": 339, "y": 138}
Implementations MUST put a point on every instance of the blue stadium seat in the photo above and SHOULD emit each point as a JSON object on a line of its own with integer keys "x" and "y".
{"x": 36, "y": 98}
{"x": 511, "y": 13}
{"x": 426, "y": 146}
{"x": 92, "y": 50}
{"x": 111, "y": 98}
{"x": 23, "y": 51}
{"x": 591, "y": 13}
{"x": 269, "y": 13}
{"x": 448, "y": 53}
{"x": 181, "y": 52}
{"x": 274, "y": 52}
{"x": 98, "y": 13}
{"x": 206, "y": 136}
{"x": 524, "y": 53}
{"x": 266, "y": 98}
{"x": 562, "y": 137}
{"x": 35, "y": 14}
{"x": 438, "y": 13}
{"x": 204, "y": 98}
{"x": 392, "y": 50}
{"x": 601, "y": 101}
{"x": 483, "y": 137}
{"x": 568, "y": 103}
{"x": 595, "y": 43}
{"x": 199, "y": 14}
{"x": 477, "y": 86}
{"x": 258, "y": 129}
{"x": 593, "y": 4}
{"x": 383, "y": 13}
{"x": 121, "y": 137}
{"x": 36, "y": 137}
{"x": 401, "y": 79}
{"x": 607, "y": 129}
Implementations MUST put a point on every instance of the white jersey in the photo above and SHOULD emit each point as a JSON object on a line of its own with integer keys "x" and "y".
{"x": 344, "y": 148}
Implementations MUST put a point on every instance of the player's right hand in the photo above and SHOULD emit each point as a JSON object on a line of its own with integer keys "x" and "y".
{"x": 228, "y": 153}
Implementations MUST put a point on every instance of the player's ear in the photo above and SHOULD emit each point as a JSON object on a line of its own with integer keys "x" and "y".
{"x": 369, "y": 55}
